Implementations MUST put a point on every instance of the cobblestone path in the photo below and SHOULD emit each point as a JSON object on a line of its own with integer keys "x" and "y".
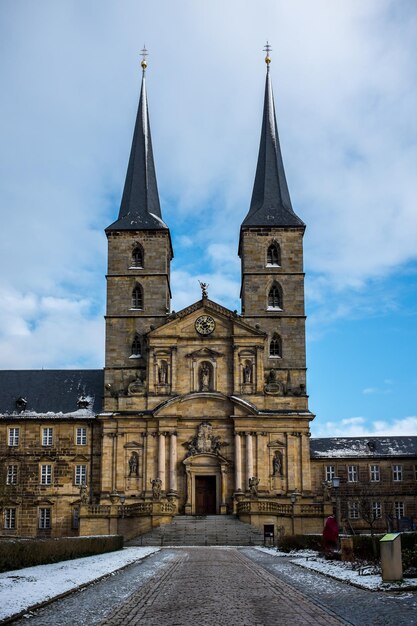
{"x": 218, "y": 587}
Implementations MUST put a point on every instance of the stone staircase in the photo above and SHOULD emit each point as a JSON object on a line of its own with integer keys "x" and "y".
{"x": 208, "y": 530}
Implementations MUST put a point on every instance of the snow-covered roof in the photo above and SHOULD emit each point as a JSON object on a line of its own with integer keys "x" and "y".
{"x": 371, "y": 447}
{"x": 34, "y": 394}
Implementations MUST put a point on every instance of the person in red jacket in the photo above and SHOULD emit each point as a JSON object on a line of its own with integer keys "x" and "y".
{"x": 330, "y": 534}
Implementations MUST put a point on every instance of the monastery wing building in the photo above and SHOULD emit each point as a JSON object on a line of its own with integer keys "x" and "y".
{"x": 199, "y": 412}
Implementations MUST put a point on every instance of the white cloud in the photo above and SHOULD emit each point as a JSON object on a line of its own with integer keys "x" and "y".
{"x": 353, "y": 420}
{"x": 406, "y": 426}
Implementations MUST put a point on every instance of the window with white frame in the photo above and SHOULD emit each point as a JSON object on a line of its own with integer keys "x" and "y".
{"x": 397, "y": 472}
{"x": 353, "y": 510}
{"x": 330, "y": 472}
{"x": 352, "y": 473}
{"x": 44, "y": 518}
{"x": 47, "y": 434}
{"x": 399, "y": 509}
{"x": 46, "y": 474}
{"x": 13, "y": 437}
{"x": 376, "y": 510}
{"x": 374, "y": 473}
{"x": 80, "y": 474}
{"x": 9, "y": 518}
{"x": 11, "y": 475}
{"x": 81, "y": 436}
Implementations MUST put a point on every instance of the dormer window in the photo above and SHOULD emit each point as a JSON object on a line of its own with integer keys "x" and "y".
{"x": 137, "y": 297}
{"x": 137, "y": 257}
{"x": 273, "y": 256}
{"x": 21, "y": 403}
{"x": 275, "y": 297}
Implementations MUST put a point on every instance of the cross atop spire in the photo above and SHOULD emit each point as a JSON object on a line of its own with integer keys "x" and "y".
{"x": 144, "y": 54}
{"x": 140, "y": 208}
{"x": 267, "y": 49}
{"x": 271, "y": 202}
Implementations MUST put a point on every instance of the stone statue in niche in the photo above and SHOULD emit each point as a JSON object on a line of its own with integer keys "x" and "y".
{"x": 84, "y": 494}
{"x": 134, "y": 464}
{"x": 247, "y": 372}
{"x": 205, "y": 377}
{"x": 163, "y": 373}
{"x": 253, "y": 486}
{"x": 277, "y": 464}
{"x": 156, "y": 488}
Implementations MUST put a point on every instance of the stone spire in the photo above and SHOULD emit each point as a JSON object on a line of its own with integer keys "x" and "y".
{"x": 140, "y": 208}
{"x": 271, "y": 203}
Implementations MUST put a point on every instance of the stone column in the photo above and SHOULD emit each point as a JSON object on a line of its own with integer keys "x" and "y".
{"x": 238, "y": 463}
{"x": 161, "y": 460}
{"x": 173, "y": 486}
{"x": 249, "y": 459}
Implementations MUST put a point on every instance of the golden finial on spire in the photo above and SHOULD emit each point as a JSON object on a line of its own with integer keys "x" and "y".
{"x": 267, "y": 49}
{"x": 144, "y": 54}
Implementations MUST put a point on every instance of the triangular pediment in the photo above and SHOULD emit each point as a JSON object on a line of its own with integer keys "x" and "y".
{"x": 180, "y": 319}
{"x": 204, "y": 352}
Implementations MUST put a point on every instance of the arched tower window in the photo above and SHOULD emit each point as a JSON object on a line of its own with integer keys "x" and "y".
{"x": 273, "y": 256}
{"x": 275, "y": 297}
{"x": 137, "y": 297}
{"x": 275, "y": 347}
{"x": 136, "y": 346}
{"x": 137, "y": 256}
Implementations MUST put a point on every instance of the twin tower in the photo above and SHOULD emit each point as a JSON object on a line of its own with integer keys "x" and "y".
{"x": 205, "y": 407}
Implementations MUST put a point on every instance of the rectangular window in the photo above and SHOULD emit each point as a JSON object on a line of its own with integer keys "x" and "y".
{"x": 80, "y": 474}
{"x": 45, "y": 518}
{"x": 81, "y": 438}
{"x": 47, "y": 436}
{"x": 11, "y": 476}
{"x": 376, "y": 510}
{"x": 46, "y": 474}
{"x": 352, "y": 473}
{"x": 353, "y": 510}
{"x": 330, "y": 472}
{"x": 399, "y": 509}
{"x": 397, "y": 472}
{"x": 13, "y": 437}
{"x": 374, "y": 473}
{"x": 9, "y": 519}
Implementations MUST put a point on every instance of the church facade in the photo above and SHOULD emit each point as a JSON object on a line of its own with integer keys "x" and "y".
{"x": 203, "y": 411}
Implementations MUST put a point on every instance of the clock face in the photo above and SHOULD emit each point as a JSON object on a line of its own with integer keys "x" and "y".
{"x": 205, "y": 324}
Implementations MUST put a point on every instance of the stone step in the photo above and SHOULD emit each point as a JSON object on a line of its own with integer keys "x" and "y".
{"x": 187, "y": 530}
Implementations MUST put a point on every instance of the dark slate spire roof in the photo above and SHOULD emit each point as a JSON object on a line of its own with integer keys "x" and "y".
{"x": 140, "y": 208}
{"x": 271, "y": 203}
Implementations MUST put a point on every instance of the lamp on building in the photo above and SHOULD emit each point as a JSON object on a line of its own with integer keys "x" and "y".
{"x": 336, "y": 487}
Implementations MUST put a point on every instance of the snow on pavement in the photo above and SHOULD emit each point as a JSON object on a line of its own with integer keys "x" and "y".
{"x": 341, "y": 571}
{"x": 24, "y": 588}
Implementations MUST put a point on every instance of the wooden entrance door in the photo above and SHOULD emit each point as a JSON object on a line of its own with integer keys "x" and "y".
{"x": 205, "y": 495}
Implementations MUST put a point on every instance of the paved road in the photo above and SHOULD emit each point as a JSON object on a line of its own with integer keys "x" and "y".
{"x": 224, "y": 586}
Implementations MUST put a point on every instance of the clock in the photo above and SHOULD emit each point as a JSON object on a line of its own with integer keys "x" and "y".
{"x": 205, "y": 324}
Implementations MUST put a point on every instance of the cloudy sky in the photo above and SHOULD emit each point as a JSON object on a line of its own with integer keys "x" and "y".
{"x": 345, "y": 83}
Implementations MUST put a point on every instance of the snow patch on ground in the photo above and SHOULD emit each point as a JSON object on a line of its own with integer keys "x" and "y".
{"x": 341, "y": 571}
{"x": 24, "y": 588}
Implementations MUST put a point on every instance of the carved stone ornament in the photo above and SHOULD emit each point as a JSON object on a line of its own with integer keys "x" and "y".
{"x": 137, "y": 386}
{"x": 204, "y": 441}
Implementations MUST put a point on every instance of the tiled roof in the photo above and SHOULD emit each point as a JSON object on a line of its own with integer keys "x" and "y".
{"x": 350, "y": 447}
